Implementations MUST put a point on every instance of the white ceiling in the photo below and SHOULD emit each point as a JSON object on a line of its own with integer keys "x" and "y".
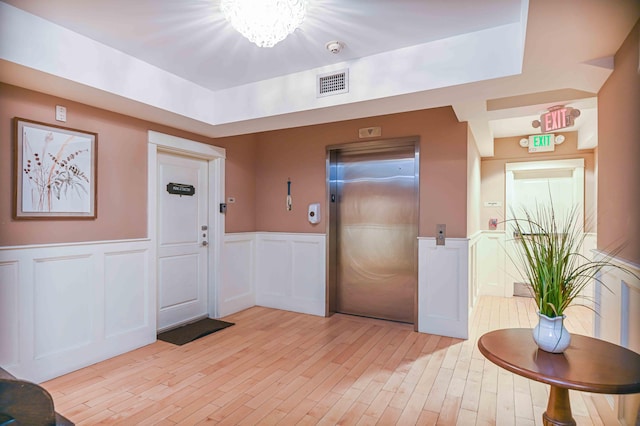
{"x": 567, "y": 56}
{"x": 191, "y": 38}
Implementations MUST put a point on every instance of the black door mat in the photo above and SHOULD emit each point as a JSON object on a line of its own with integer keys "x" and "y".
{"x": 195, "y": 330}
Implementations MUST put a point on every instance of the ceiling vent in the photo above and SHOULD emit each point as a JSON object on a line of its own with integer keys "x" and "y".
{"x": 332, "y": 83}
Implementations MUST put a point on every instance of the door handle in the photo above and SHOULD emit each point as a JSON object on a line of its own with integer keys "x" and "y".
{"x": 205, "y": 243}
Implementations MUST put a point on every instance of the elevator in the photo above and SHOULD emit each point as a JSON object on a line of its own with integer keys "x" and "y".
{"x": 373, "y": 229}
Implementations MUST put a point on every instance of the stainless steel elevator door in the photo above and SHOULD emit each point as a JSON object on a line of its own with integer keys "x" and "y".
{"x": 376, "y": 233}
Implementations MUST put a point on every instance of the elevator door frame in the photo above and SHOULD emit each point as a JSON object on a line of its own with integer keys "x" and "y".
{"x": 331, "y": 231}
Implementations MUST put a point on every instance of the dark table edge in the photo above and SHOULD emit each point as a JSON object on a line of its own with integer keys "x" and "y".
{"x": 60, "y": 419}
{"x": 584, "y": 387}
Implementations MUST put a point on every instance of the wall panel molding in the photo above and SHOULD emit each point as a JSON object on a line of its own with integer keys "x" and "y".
{"x": 125, "y": 280}
{"x": 617, "y": 304}
{"x": 237, "y": 289}
{"x": 290, "y": 272}
{"x": 474, "y": 282}
{"x": 443, "y": 287}
{"x": 10, "y": 336}
{"x": 75, "y": 305}
{"x": 492, "y": 270}
{"x": 63, "y": 318}
{"x": 69, "y": 306}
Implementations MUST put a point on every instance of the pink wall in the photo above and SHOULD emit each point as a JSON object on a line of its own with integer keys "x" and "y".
{"x": 240, "y": 181}
{"x": 619, "y": 153}
{"x": 300, "y": 154}
{"x": 474, "y": 189}
{"x": 257, "y": 168}
{"x": 507, "y": 150}
{"x": 122, "y": 172}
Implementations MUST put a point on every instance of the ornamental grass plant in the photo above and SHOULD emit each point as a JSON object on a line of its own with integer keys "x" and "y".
{"x": 551, "y": 259}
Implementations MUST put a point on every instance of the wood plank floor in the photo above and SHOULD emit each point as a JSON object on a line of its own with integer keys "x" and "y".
{"x": 277, "y": 367}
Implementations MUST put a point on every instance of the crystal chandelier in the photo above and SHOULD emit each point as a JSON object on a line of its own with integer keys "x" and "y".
{"x": 264, "y": 22}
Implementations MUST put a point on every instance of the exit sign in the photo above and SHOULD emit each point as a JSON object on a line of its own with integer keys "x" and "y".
{"x": 542, "y": 143}
{"x": 558, "y": 117}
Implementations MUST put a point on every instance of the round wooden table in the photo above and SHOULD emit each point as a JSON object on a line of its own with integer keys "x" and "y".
{"x": 588, "y": 365}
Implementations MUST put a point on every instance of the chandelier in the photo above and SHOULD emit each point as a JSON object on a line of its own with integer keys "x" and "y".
{"x": 264, "y": 22}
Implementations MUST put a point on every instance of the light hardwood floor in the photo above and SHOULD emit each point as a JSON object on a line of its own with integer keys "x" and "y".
{"x": 277, "y": 367}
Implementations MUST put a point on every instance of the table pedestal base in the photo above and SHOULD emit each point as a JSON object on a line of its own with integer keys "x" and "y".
{"x": 558, "y": 409}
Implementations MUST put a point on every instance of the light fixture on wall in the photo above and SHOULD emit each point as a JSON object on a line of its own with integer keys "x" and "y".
{"x": 265, "y": 22}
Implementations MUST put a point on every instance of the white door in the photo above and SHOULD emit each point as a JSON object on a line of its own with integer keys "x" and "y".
{"x": 182, "y": 240}
{"x": 540, "y": 187}
{"x": 533, "y": 184}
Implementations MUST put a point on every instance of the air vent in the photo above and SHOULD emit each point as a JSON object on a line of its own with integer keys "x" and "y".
{"x": 333, "y": 83}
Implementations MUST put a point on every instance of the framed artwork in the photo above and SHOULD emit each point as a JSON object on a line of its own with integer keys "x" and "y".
{"x": 55, "y": 171}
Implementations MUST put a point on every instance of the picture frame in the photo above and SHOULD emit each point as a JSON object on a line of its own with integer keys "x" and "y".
{"x": 55, "y": 171}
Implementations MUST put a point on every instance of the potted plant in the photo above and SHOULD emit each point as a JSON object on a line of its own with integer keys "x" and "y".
{"x": 550, "y": 259}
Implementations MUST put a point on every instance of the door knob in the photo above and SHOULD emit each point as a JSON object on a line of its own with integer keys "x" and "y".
{"x": 204, "y": 244}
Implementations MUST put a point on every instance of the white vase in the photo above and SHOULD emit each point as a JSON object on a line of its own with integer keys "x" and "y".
{"x": 551, "y": 335}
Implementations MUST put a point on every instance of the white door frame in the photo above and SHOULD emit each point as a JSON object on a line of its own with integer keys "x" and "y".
{"x": 216, "y": 162}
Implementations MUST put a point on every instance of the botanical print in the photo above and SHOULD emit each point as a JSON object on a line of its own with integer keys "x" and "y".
{"x": 55, "y": 171}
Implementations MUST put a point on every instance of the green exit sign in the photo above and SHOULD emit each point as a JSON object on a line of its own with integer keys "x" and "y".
{"x": 542, "y": 143}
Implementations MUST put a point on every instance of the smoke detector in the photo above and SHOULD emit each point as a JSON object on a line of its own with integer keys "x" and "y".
{"x": 334, "y": 47}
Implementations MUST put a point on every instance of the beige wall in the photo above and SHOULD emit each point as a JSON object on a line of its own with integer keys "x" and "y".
{"x": 240, "y": 181}
{"x": 474, "y": 190}
{"x": 257, "y": 168}
{"x": 619, "y": 154}
{"x": 300, "y": 154}
{"x": 619, "y": 193}
{"x": 122, "y": 172}
{"x": 507, "y": 150}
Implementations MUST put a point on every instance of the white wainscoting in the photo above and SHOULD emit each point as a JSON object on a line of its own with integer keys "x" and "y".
{"x": 496, "y": 272}
{"x": 474, "y": 282}
{"x": 618, "y": 321}
{"x": 443, "y": 287}
{"x": 290, "y": 272}
{"x": 66, "y": 306}
{"x": 237, "y": 289}
{"x": 492, "y": 271}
